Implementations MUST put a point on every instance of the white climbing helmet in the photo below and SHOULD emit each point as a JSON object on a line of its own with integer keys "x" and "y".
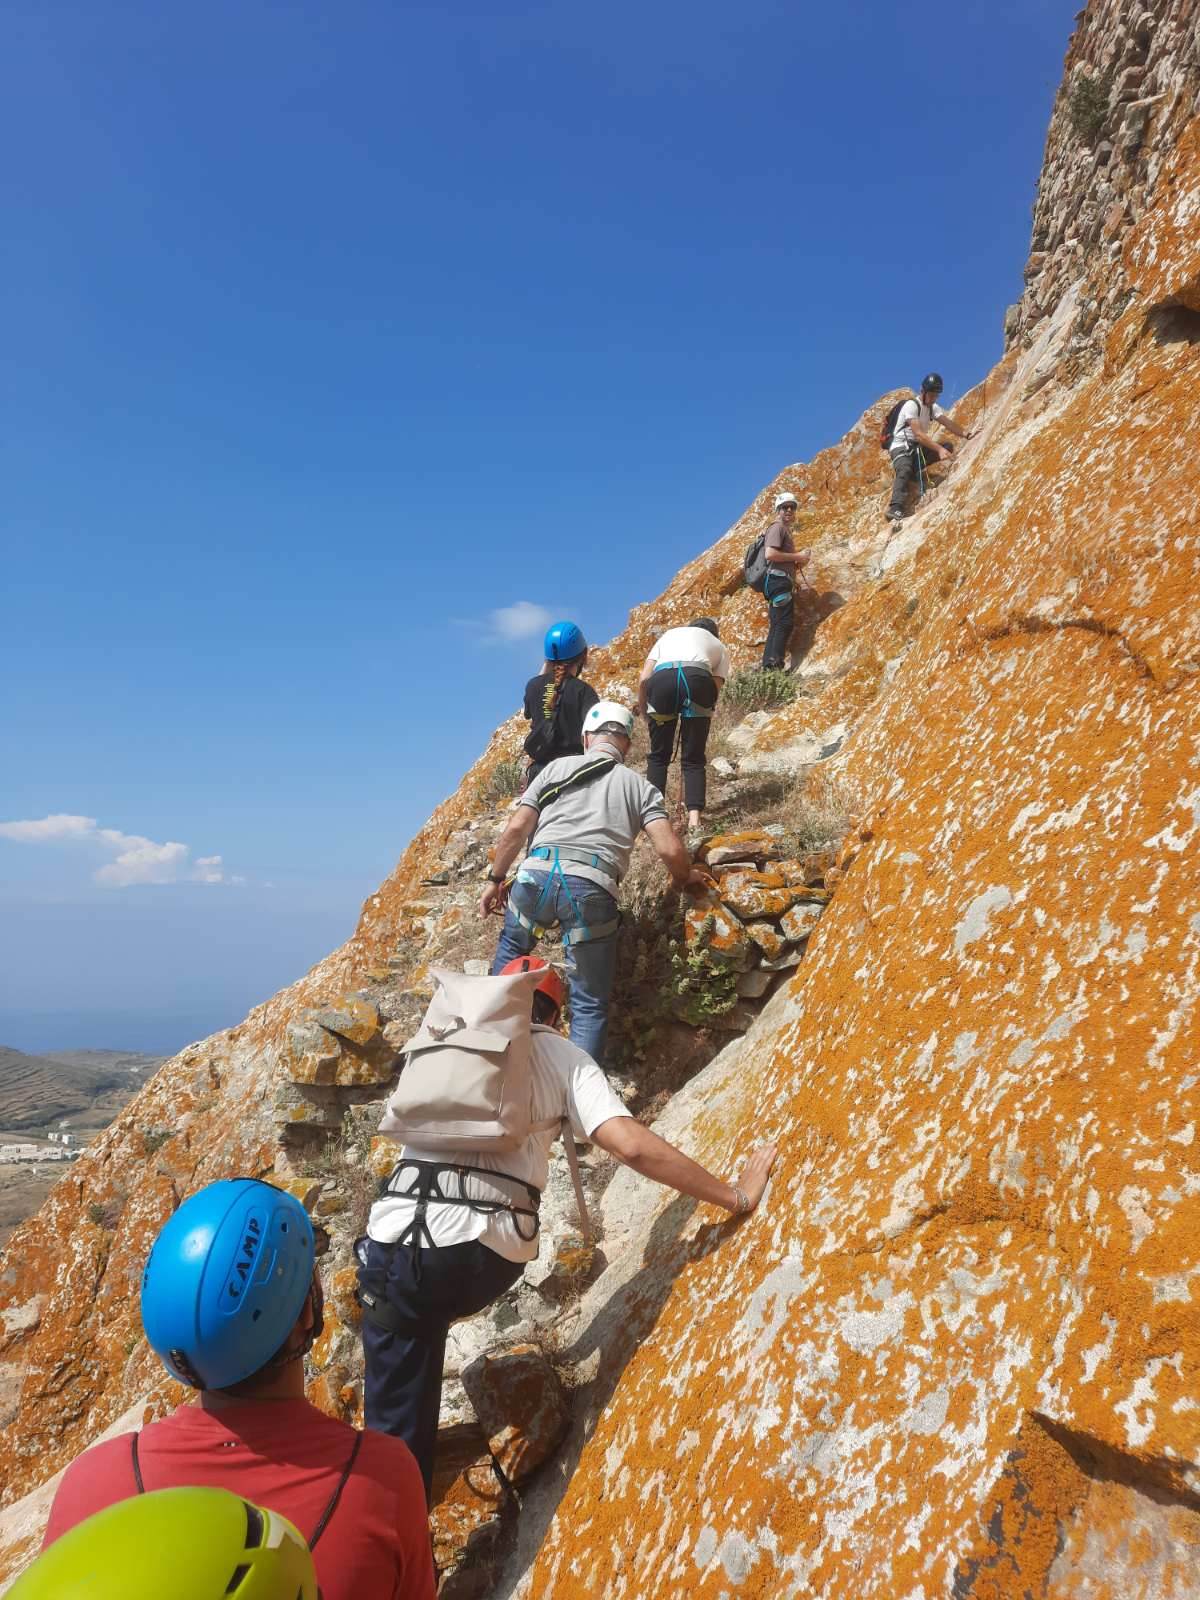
{"x": 608, "y": 714}
{"x": 787, "y": 498}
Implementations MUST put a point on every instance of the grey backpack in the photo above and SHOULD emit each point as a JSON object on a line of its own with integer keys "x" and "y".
{"x": 754, "y": 565}
{"x": 466, "y": 1083}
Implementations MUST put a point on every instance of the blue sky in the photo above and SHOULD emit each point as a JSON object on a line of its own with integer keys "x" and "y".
{"x": 344, "y": 343}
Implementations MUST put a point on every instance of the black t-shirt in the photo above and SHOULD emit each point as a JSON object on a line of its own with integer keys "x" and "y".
{"x": 575, "y": 700}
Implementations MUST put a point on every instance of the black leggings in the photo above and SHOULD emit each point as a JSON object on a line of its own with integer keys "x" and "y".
{"x": 668, "y": 696}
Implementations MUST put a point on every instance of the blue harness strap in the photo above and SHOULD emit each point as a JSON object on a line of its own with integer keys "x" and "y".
{"x": 582, "y": 931}
{"x": 683, "y": 694}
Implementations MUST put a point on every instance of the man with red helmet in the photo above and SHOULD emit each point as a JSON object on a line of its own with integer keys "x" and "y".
{"x": 479, "y": 1251}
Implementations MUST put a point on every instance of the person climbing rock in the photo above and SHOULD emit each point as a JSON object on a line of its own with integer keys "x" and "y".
{"x": 784, "y": 561}
{"x": 913, "y": 447}
{"x": 683, "y": 675}
{"x": 557, "y": 700}
{"x": 175, "y": 1544}
{"x": 419, "y": 1272}
{"x": 580, "y": 818}
{"x": 231, "y": 1305}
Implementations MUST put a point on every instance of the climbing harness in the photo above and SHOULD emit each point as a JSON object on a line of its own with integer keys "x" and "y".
{"x": 582, "y": 931}
{"x": 686, "y": 706}
{"x": 426, "y": 1188}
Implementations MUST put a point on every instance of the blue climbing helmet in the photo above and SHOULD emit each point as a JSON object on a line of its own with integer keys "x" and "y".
{"x": 226, "y": 1281}
{"x": 564, "y": 642}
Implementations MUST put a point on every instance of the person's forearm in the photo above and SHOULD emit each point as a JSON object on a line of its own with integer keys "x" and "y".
{"x": 512, "y": 842}
{"x": 953, "y": 426}
{"x": 669, "y": 849}
{"x": 643, "y": 694}
{"x": 922, "y": 437}
{"x": 645, "y": 1152}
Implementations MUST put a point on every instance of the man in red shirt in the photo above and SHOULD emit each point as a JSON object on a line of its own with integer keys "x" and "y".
{"x": 231, "y": 1305}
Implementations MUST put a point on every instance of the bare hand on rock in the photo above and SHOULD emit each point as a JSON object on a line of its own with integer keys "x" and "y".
{"x": 699, "y": 882}
{"x": 752, "y": 1179}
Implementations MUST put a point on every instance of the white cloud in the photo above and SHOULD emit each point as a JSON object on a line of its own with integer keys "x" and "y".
{"x": 134, "y": 858}
{"x": 58, "y": 826}
{"x": 140, "y": 860}
{"x": 522, "y": 620}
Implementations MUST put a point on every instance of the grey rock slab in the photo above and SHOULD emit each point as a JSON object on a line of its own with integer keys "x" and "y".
{"x": 791, "y": 958}
{"x": 799, "y": 922}
{"x": 643, "y": 1226}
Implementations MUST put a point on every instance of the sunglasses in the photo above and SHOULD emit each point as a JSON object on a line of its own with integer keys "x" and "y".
{"x": 787, "y": 508}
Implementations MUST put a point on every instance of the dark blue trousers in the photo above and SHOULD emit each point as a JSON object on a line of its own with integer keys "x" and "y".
{"x": 780, "y": 593}
{"x": 402, "y": 1388}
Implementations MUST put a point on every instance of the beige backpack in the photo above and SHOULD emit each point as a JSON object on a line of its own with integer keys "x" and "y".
{"x": 467, "y": 1077}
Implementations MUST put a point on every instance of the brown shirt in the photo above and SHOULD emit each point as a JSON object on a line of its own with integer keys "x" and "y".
{"x": 778, "y": 538}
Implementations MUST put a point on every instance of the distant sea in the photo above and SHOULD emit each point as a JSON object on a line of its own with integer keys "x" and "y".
{"x": 152, "y": 1033}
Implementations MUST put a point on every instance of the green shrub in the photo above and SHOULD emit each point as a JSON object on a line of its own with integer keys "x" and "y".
{"x": 154, "y": 1139}
{"x": 701, "y": 988}
{"x": 501, "y": 783}
{"x": 1087, "y": 103}
{"x": 106, "y": 1214}
{"x": 760, "y": 689}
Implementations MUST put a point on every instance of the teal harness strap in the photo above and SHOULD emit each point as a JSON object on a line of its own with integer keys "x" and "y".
{"x": 585, "y": 858}
{"x": 582, "y": 930}
{"x": 683, "y": 694}
{"x": 586, "y": 931}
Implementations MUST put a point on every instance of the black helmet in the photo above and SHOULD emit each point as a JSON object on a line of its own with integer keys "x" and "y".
{"x": 932, "y": 383}
{"x": 709, "y": 624}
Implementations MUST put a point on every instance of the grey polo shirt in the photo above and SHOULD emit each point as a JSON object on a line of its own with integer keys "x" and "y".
{"x": 602, "y": 817}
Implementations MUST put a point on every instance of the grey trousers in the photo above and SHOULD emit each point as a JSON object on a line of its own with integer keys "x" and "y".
{"x": 909, "y": 466}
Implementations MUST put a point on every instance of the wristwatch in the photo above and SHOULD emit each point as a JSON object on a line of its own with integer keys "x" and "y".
{"x": 494, "y": 877}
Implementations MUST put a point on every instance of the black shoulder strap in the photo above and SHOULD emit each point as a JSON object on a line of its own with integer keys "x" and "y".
{"x": 337, "y": 1493}
{"x": 325, "y": 1515}
{"x": 575, "y": 780}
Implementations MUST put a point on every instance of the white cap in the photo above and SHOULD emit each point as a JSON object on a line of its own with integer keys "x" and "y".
{"x": 787, "y": 498}
{"x": 606, "y": 711}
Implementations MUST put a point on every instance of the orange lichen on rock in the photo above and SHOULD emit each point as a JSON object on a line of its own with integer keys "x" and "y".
{"x": 973, "y": 1296}
{"x": 955, "y": 1351}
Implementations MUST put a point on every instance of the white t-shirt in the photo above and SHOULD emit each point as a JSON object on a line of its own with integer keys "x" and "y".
{"x": 912, "y": 411}
{"x": 692, "y": 647}
{"x": 566, "y": 1083}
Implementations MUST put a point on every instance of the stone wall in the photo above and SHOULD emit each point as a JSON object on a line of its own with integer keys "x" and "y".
{"x": 1131, "y": 83}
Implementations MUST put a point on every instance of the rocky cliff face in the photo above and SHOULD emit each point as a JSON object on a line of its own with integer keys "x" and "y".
{"x": 1130, "y": 86}
{"x": 955, "y": 1353}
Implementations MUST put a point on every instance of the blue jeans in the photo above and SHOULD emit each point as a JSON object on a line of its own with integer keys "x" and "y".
{"x": 591, "y": 964}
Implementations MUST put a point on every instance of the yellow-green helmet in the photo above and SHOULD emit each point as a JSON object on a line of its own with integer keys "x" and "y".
{"x": 175, "y": 1544}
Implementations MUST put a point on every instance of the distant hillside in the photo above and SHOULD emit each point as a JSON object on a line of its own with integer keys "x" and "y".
{"x": 87, "y": 1087}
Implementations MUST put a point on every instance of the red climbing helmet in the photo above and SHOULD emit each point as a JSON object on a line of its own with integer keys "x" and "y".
{"x": 549, "y": 984}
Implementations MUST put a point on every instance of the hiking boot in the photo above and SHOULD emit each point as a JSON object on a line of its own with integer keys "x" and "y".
{"x": 895, "y": 516}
